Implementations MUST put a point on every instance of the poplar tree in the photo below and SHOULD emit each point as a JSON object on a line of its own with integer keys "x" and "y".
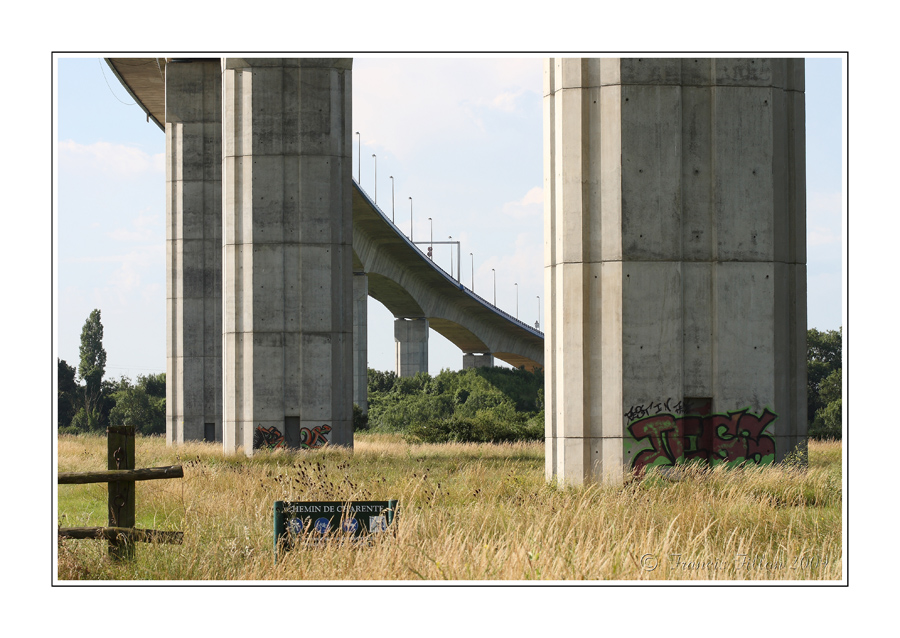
{"x": 92, "y": 366}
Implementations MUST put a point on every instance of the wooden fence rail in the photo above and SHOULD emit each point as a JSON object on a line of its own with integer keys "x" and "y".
{"x": 146, "y": 474}
{"x": 128, "y": 533}
{"x": 120, "y": 478}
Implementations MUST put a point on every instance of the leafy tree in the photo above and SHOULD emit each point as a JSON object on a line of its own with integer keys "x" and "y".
{"x": 91, "y": 368}
{"x": 67, "y": 392}
{"x": 153, "y": 384}
{"x": 824, "y": 377}
{"x": 826, "y": 346}
{"x": 360, "y": 419}
{"x": 134, "y": 405}
{"x": 478, "y": 404}
{"x": 379, "y": 381}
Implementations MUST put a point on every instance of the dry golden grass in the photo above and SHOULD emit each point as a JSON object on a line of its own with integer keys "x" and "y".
{"x": 467, "y": 512}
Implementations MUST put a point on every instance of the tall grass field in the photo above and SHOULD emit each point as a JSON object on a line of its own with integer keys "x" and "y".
{"x": 467, "y": 512}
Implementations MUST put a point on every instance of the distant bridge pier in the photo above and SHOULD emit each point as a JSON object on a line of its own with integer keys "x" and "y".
{"x": 411, "y": 346}
{"x": 477, "y": 360}
{"x": 360, "y": 341}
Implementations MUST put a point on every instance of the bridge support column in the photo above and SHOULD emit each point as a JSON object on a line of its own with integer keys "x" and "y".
{"x": 478, "y": 360}
{"x": 193, "y": 251}
{"x": 360, "y": 341}
{"x": 288, "y": 287}
{"x": 411, "y": 346}
{"x": 675, "y": 264}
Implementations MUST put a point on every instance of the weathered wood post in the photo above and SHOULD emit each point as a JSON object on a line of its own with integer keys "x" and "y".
{"x": 120, "y": 456}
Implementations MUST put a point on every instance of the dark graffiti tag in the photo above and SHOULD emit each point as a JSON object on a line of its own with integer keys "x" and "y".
{"x": 315, "y": 438}
{"x": 733, "y": 437}
{"x": 654, "y": 407}
{"x": 267, "y": 438}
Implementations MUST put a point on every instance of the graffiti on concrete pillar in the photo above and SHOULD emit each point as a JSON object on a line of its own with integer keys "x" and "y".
{"x": 267, "y": 438}
{"x": 669, "y": 406}
{"x": 732, "y": 437}
{"x": 315, "y": 438}
{"x": 272, "y": 438}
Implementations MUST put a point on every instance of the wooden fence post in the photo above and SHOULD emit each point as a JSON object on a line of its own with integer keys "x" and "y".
{"x": 120, "y": 456}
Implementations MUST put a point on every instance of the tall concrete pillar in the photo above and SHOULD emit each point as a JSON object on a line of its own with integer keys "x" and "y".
{"x": 411, "y": 346}
{"x": 287, "y": 264}
{"x": 360, "y": 341}
{"x": 193, "y": 251}
{"x": 675, "y": 263}
{"x": 478, "y": 360}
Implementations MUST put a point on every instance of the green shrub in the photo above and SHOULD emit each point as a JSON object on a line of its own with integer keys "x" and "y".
{"x": 360, "y": 419}
{"x": 474, "y": 405}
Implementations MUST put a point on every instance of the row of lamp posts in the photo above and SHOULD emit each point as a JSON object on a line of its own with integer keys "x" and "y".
{"x": 431, "y": 226}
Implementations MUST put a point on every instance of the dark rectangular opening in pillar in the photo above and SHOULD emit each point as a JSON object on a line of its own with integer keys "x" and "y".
{"x": 698, "y": 406}
{"x": 292, "y": 431}
{"x": 209, "y": 432}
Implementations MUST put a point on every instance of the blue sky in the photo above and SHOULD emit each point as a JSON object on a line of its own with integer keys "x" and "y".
{"x": 462, "y": 137}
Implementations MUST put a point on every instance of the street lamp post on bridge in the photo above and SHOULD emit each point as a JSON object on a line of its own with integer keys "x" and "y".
{"x": 495, "y": 286}
{"x": 375, "y": 190}
{"x": 517, "y": 299}
{"x": 392, "y": 201}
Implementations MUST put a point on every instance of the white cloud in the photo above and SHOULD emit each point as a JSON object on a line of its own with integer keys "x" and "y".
{"x": 146, "y": 228}
{"x": 132, "y": 278}
{"x": 404, "y": 105}
{"x": 108, "y": 159}
{"x": 531, "y": 205}
{"x": 823, "y": 218}
{"x": 150, "y": 255}
{"x": 524, "y": 266}
{"x": 507, "y": 101}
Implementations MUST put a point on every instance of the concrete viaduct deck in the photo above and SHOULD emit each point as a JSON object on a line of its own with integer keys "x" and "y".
{"x": 411, "y": 285}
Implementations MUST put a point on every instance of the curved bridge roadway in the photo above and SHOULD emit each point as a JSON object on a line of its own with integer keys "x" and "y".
{"x": 411, "y": 285}
{"x": 400, "y": 276}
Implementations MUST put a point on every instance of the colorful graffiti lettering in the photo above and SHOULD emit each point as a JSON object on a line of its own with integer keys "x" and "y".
{"x": 271, "y": 438}
{"x": 734, "y": 437}
{"x": 315, "y": 438}
{"x": 267, "y": 438}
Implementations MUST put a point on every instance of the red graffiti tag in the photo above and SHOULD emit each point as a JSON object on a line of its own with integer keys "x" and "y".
{"x": 315, "y": 438}
{"x": 717, "y": 438}
{"x": 272, "y": 438}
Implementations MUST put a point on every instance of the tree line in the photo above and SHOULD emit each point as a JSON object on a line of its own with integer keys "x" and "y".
{"x": 474, "y": 405}
{"x": 86, "y": 402}
{"x": 499, "y": 404}
{"x": 824, "y": 376}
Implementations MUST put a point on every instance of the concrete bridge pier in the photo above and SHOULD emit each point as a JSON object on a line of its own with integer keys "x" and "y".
{"x": 193, "y": 122}
{"x": 360, "y": 341}
{"x": 287, "y": 265}
{"x": 411, "y": 346}
{"x": 477, "y": 360}
{"x": 675, "y": 263}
